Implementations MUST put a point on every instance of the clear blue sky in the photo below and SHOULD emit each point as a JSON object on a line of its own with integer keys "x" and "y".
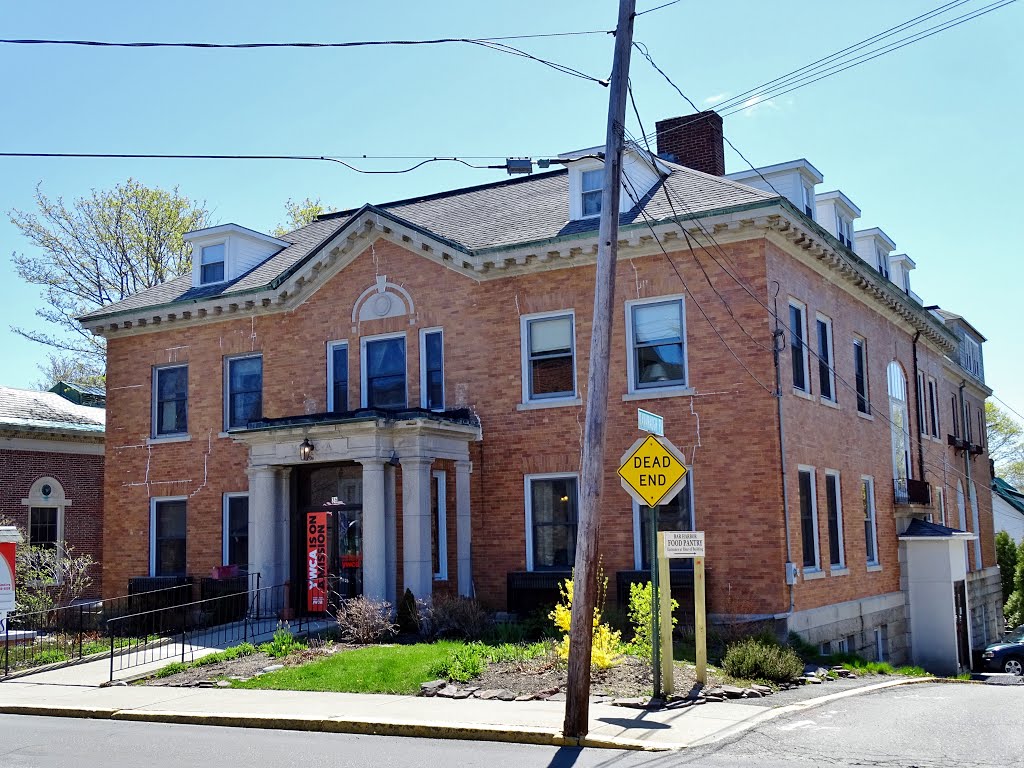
{"x": 927, "y": 140}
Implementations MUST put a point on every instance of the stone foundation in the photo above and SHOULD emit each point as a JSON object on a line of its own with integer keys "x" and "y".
{"x": 855, "y": 621}
{"x": 985, "y": 599}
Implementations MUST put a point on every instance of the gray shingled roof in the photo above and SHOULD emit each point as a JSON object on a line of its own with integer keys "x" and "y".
{"x": 474, "y": 219}
{"x": 919, "y": 527}
{"x": 29, "y": 410}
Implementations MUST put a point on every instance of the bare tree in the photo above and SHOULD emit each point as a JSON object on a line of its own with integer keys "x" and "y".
{"x": 97, "y": 251}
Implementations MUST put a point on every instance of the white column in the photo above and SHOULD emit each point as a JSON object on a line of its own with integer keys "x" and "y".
{"x": 463, "y": 528}
{"x": 374, "y": 530}
{"x": 262, "y": 502}
{"x": 417, "y": 568}
{"x": 282, "y": 525}
{"x": 391, "y": 535}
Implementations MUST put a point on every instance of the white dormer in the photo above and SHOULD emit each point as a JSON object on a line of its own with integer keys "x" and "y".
{"x": 836, "y": 213}
{"x": 228, "y": 251}
{"x": 874, "y": 246}
{"x": 794, "y": 180}
{"x": 900, "y": 266}
{"x": 641, "y": 171}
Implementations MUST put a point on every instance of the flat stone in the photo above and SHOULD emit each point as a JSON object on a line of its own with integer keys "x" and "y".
{"x": 223, "y": 684}
{"x": 525, "y": 697}
{"x": 273, "y": 668}
{"x": 764, "y": 690}
{"x": 732, "y": 691}
{"x": 431, "y": 688}
{"x": 632, "y": 703}
{"x": 489, "y": 693}
{"x": 548, "y": 692}
{"x": 750, "y": 693}
{"x": 463, "y": 693}
{"x": 505, "y": 695}
{"x": 205, "y": 684}
{"x": 811, "y": 679}
{"x": 714, "y": 698}
{"x": 681, "y": 703}
{"x": 448, "y": 692}
{"x": 560, "y": 696}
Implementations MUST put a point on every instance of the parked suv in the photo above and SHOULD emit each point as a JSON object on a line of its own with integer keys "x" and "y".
{"x": 1006, "y": 655}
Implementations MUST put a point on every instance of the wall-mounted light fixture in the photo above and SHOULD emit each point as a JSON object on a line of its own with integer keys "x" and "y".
{"x": 306, "y": 450}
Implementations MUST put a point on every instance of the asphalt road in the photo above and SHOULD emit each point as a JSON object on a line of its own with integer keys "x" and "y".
{"x": 928, "y": 725}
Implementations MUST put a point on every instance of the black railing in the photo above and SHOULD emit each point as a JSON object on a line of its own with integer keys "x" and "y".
{"x": 913, "y": 492}
{"x": 60, "y": 635}
{"x": 215, "y": 622}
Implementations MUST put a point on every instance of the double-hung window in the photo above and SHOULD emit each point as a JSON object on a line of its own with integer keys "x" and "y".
{"x": 807, "y": 199}
{"x": 243, "y": 390}
{"x": 337, "y": 377}
{"x": 44, "y": 527}
{"x": 798, "y": 345}
{"x": 922, "y": 407}
{"x": 657, "y": 338}
{"x": 834, "y": 507}
{"x": 549, "y": 343}
{"x": 883, "y": 263}
{"x": 170, "y": 400}
{"x": 384, "y": 382}
{"x": 860, "y": 374}
{"x": 826, "y": 370}
{"x": 432, "y": 369}
{"x": 844, "y": 230}
{"x": 867, "y": 495}
{"x": 211, "y": 268}
{"x": 236, "y": 530}
{"x": 809, "y": 519}
{"x": 676, "y": 515}
{"x": 933, "y": 408}
{"x": 591, "y": 183}
{"x": 167, "y": 537}
{"x": 552, "y": 502}
{"x": 956, "y": 417}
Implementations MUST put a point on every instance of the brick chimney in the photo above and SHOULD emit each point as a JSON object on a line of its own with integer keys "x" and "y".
{"x": 694, "y": 141}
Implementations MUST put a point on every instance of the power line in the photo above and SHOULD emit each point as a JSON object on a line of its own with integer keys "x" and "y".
{"x": 659, "y": 7}
{"x": 492, "y": 43}
{"x": 1008, "y": 406}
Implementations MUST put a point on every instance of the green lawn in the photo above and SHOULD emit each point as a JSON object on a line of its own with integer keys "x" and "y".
{"x": 388, "y": 669}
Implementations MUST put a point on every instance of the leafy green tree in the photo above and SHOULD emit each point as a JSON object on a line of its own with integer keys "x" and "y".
{"x": 95, "y": 251}
{"x": 1005, "y": 444}
{"x": 300, "y": 214}
{"x": 1007, "y": 554}
{"x": 1013, "y": 612}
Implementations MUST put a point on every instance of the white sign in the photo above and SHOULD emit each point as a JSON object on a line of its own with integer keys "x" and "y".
{"x": 683, "y": 543}
{"x": 650, "y": 422}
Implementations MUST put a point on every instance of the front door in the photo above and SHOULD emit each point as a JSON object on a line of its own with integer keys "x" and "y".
{"x": 963, "y": 643}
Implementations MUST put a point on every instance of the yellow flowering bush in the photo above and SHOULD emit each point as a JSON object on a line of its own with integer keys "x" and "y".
{"x": 607, "y": 642}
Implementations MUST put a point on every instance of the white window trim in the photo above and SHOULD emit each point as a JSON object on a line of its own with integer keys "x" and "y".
{"x": 331, "y": 347}
{"x": 154, "y": 402}
{"x": 831, "y": 356}
{"x": 807, "y": 389}
{"x": 528, "y": 498}
{"x": 841, "y": 565}
{"x": 867, "y": 377}
{"x": 424, "y": 332}
{"x": 224, "y": 523}
{"x": 57, "y": 499}
{"x": 363, "y": 341}
{"x": 153, "y": 501}
{"x": 876, "y": 563}
{"x": 439, "y": 477}
{"x": 940, "y": 496}
{"x": 524, "y": 356}
{"x": 576, "y": 171}
{"x": 198, "y": 282}
{"x": 228, "y": 360}
{"x": 638, "y": 553}
{"x": 668, "y": 389}
{"x": 814, "y": 518}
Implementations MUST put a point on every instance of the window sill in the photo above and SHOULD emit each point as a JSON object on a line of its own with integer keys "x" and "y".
{"x": 844, "y": 571}
{"x": 555, "y": 402}
{"x": 829, "y": 403}
{"x": 866, "y": 416}
{"x": 168, "y": 439}
{"x": 874, "y": 568}
{"x": 810, "y": 575}
{"x": 657, "y": 392}
{"x": 802, "y": 394}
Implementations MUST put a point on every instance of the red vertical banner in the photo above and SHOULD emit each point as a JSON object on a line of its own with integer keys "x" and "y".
{"x": 316, "y": 561}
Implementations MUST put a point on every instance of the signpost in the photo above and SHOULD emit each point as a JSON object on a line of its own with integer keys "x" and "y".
{"x": 9, "y": 538}
{"x": 653, "y": 472}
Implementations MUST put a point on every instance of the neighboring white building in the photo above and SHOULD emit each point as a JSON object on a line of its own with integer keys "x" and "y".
{"x": 1007, "y": 509}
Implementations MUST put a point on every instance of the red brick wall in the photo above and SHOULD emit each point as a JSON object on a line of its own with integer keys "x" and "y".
{"x": 81, "y": 476}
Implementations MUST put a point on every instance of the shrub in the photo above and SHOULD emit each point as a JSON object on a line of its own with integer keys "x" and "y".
{"x": 455, "y": 617}
{"x": 462, "y": 664}
{"x": 607, "y": 643}
{"x": 364, "y": 621}
{"x": 757, "y": 659}
{"x": 282, "y": 644}
{"x": 640, "y": 606}
{"x": 501, "y": 632}
{"x": 408, "y": 614}
{"x": 514, "y": 651}
{"x": 1006, "y": 557}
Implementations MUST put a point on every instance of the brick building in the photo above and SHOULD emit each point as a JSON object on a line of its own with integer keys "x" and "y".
{"x": 416, "y": 369}
{"x": 51, "y": 469}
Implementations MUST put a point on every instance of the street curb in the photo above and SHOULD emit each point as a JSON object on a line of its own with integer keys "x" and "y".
{"x": 458, "y": 731}
{"x": 763, "y": 717}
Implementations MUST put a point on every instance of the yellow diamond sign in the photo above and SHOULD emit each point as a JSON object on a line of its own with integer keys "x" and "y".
{"x": 652, "y": 471}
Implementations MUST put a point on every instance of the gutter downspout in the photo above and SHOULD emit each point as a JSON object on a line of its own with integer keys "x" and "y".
{"x": 777, "y": 336}
{"x": 972, "y": 498}
{"x": 921, "y": 415}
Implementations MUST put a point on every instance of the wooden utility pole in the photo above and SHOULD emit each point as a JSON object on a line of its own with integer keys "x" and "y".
{"x": 592, "y": 475}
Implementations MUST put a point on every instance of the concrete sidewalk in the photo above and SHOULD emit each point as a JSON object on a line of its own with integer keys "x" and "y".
{"x": 531, "y": 722}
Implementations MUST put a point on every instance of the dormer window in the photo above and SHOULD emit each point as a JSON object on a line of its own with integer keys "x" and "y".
{"x": 844, "y": 230}
{"x": 883, "y": 263}
{"x": 590, "y": 190}
{"x": 807, "y": 199}
{"x": 212, "y": 264}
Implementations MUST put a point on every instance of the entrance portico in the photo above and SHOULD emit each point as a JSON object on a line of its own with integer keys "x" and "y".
{"x": 380, "y": 442}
